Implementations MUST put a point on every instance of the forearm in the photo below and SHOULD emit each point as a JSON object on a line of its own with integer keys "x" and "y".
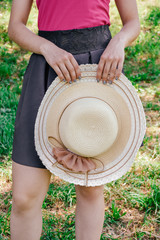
{"x": 28, "y": 40}
{"x": 130, "y": 20}
{"x": 62, "y": 62}
{"x": 128, "y": 33}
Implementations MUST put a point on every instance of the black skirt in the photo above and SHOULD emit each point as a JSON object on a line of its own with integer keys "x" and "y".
{"x": 87, "y": 46}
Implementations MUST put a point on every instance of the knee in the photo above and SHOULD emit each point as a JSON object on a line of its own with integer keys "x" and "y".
{"x": 23, "y": 203}
{"x": 89, "y": 193}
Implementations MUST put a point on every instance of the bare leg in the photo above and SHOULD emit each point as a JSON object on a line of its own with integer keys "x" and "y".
{"x": 29, "y": 187}
{"x": 89, "y": 212}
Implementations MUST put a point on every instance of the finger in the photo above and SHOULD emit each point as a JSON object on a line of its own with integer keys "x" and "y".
{"x": 71, "y": 70}
{"x": 106, "y": 72}
{"x": 119, "y": 69}
{"x": 58, "y": 71}
{"x": 112, "y": 71}
{"x": 100, "y": 69}
{"x": 65, "y": 72}
{"x": 76, "y": 67}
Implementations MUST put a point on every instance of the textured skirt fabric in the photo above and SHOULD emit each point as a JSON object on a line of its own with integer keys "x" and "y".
{"x": 87, "y": 46}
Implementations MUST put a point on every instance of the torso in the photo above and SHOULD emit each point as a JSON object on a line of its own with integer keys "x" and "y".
{"x": 72, "y": 14}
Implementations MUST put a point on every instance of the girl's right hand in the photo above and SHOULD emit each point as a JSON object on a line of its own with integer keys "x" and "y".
{"x": 63, "y": 62}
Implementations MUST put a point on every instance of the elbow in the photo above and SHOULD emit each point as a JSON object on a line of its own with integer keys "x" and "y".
{"x": 13, "y": 31}
{"x": 138, "y": 28}
{"x": 10, "y": 32}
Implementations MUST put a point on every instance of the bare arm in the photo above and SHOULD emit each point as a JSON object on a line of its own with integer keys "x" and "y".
{"x": 111, "y": 62}
{"x": 60, "y": 60}
{"x": 131, "y": 26}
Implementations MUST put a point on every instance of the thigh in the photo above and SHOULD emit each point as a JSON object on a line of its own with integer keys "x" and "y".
{"x": 29, "y": 183}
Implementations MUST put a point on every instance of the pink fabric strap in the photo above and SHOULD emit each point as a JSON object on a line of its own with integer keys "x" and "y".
{"x": 72, "y": 14}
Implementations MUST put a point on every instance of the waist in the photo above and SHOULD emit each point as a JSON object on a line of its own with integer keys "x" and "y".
{"x": 79, "y": 40}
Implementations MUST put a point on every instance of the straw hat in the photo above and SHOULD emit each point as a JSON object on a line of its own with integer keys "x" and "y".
{"x": 88, "y": 133}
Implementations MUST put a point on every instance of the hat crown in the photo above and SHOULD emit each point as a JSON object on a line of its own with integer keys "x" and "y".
{"x": 88, "y": 127}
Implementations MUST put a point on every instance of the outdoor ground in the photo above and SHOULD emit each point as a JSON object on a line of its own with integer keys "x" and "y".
{"x": 132, "y": 202}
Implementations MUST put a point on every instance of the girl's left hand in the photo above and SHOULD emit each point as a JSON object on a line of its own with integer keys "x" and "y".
{"x": 111, "y": 61}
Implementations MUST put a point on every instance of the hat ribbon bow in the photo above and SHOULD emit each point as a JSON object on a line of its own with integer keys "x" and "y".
{"x": 71, "y": 160}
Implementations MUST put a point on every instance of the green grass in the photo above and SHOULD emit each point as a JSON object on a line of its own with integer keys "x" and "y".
{"x": 55, "y": 227}
{"x": 8, "y": 107}
{"x": 145, "y": 51}
{"x": 65, "y": 193}
{"x": 12, "y": 67}
{"x": 132, "y": 203}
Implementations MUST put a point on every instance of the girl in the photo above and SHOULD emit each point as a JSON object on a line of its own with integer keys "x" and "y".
{"x": 70, "y": 33}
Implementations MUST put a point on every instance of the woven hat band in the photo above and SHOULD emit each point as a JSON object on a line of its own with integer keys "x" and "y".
{"x": 88, "y": 127}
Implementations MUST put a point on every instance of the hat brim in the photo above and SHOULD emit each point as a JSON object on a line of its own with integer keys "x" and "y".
{"x": 122, "y": 98}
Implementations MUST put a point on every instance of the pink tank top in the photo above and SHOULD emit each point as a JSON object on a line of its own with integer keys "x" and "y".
{"x": 72, "y": 14}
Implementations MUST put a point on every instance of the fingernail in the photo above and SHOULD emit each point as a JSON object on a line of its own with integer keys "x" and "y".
{"x": 97, "y": 80}
{"x": 104, "y": 82}
{"x": 110, "y": 82}
{"x": 79, "y": 77}
{"x": 64, "y": 80}
{"x": 70, "y": 82}
{"x": 74, "y": 80}
{"x": 116, "y": 78}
